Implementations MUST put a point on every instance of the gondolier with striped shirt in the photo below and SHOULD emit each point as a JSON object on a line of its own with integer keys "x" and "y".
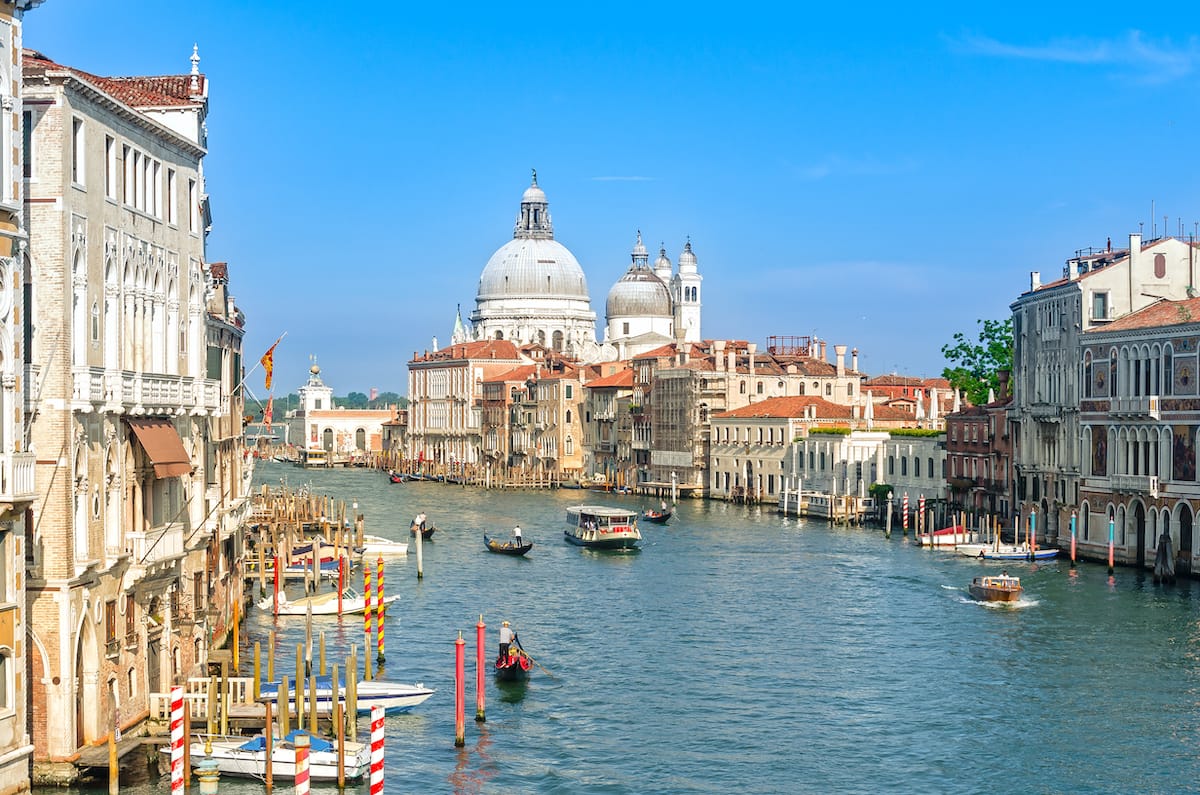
{"x": 506, "y": 636}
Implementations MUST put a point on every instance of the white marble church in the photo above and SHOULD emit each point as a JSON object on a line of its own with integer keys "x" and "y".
{"x": 533, "y": 291}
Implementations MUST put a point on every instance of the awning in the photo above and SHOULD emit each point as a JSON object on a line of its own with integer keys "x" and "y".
{"x": 161, "y": 442}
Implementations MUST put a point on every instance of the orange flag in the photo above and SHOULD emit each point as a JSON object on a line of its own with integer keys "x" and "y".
{"x": 267, "y": 413}
{"x": 268, "y": 363}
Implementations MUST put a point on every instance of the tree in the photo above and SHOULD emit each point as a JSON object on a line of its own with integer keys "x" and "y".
{"x": 977, "y": 364}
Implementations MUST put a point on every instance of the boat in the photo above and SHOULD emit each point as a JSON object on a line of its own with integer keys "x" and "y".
{"x": 657, "y": 517}
{"x": 515, "y": 667}
{"x": 507, "y": 547}
{"x": 997, "y": 551}
{"x": 946, "y": 537}
{"x": 426, "y": 532}
{"x": 600, "y": 527}
{"x": 239, "y": 756}
{"x": 394, "y": 697}
{"x": 1002, "y": 588}
{"x": 325, "y": 604}
{"x": 378, "y": 546}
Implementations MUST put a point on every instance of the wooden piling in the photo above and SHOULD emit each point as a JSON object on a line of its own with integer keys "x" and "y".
{"x": 283, "y": 699}
{"x": 269, "y": 734}
{"x": 312, "y": 703}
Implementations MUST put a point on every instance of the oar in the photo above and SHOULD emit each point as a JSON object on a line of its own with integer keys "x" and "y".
{"x": 517, "y": 640}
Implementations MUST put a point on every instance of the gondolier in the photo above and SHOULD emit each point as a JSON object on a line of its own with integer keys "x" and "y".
{"x": 506, "y": 636}
{"x": 517, "y": 534}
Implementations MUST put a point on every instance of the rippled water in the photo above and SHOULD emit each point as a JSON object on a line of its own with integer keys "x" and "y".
{"x": 741, "y": 651}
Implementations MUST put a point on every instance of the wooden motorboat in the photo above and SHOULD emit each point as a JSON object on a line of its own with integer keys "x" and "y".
{"x": 507, "y": 547}
{"x": 515, "y": 667}
{"x": 600, "y": 527}
{"x": 241, "y": 756}
{"x": 657, "y": 517}
{"x": 1002, "y": 588}
{"x": 325, "y": 604}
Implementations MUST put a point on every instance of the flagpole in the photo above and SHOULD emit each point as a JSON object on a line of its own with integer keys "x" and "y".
{"x": 239, "y": 384}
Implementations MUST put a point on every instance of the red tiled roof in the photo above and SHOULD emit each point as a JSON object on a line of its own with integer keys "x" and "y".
{"x": 138, "y": 92}
{"x": 516, "y": 374}
{"x": 624, "y": 378}
{"x": 790, "y": 406}
{"x": 1160, "y": 313}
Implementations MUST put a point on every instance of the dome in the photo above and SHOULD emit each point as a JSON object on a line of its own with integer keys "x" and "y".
{"x": 533, "y": 194}
{"x": 687, "y": 259}
{"x": 639, "y": 293}
{"x": 532, "y": 268}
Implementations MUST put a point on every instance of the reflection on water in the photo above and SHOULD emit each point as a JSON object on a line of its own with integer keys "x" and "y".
{"x": 746, "y": 652}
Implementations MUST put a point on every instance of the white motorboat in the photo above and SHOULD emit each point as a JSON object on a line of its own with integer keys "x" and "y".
{"x": 241, "y": 756}
{"x": 325, "y": 604}
{"x": 997, "y": 551}
{"x": 599, "y": 527}
{"x": 379, "y": 547}
{"x": 394, "y": 697}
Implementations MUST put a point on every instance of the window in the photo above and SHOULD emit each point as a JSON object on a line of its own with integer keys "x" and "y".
{"x": 95, "y": 322}
{"x": 193, "y": 207}
{"x": 1099, "y": 306}
{"x": 198, "y": 591}
{"x": 570, "y": 446}
{"x": 568, "y": 415}
{"x": 569, "y": 393}
{"x": 155, "y": 207}
{"x": 6, "y": 700}
{"x": 77, "y": 151}
{"x": 130, "y": 619}
{"x": 110, "y": 167}
{"x": 110, "y": 627}
{"x": 759, "y": 388}
{"x": 172, "y": 201}
{"x": 127, "y": 188}
{"x": 27, "y": 142}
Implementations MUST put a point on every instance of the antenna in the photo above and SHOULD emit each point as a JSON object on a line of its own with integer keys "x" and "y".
{"x": 1153, "y": 223}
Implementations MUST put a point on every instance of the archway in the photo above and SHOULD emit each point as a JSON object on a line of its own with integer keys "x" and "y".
{"x": 327, "y": 440}
{"x": 1183, "y": 565}
{"x": 1139, "y": 525}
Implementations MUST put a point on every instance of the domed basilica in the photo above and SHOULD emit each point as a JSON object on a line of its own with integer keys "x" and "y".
{"x": 533, "y": 291}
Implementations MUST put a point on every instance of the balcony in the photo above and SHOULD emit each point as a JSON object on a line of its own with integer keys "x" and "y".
{"x": 641, "y": 444}
{"x": 1144, "y": 407}
{"x": 150, "y": 547}
{"x": 1135, "y": 484}
{"x": 604, "y": 447}
{"x": 1046, "y": 412}
{"x": 156, "y": 391}
{"x": 16, "y": 477}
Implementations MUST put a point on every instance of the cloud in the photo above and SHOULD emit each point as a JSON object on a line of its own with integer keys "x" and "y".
{"x": 622, "y": 179}
{"x": 1154, "y": 60}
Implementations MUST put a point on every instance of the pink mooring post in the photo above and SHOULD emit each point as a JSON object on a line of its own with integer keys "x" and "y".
{"x": 460, "y": 732}
{"x": 177, "y": 740}
{"x": 480, "y": 640}
{"x": 275, "y": 602}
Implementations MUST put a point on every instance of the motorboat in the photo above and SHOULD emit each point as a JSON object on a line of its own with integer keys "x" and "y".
{"x": 241, "y": 756}
{"x": 600, "y": 527}
{"x": 997, "y": 551}
{"x": 394, "y": 697}
{"x": 325, "y": 604}
{"x": 1002, "y": 588}
{"x": 377, "y": 546}
{"x": 946, "y": 537}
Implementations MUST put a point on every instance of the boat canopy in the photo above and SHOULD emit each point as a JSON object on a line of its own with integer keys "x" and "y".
{"x": 315, "y": 743}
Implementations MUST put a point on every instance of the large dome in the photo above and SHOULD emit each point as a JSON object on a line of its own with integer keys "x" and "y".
{"x": 639, "y": 293}
{"x": 530, "y": 267}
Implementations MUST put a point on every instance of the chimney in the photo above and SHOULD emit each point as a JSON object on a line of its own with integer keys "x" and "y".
{"x": 854, "y": 360}
{"x": 1002, "y": 377}
{"x": 1072, "y": 270}
{"x": 732, "y": 361}
{"x": 719, "y": 355}
{"x": 750, "y": 349}
{"x": 1035, "y": 280}
{"x": 840, "y": 352}
{"x": 824, "y": 354}
{"x": 1135, "y": 250}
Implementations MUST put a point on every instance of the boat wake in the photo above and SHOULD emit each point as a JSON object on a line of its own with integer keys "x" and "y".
{"x": 1020, "y": 604}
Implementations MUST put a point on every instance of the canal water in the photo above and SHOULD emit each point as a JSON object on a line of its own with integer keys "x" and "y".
{"x": 743, "y": 651}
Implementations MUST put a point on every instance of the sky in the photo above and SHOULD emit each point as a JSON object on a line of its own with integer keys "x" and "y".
{"x": 880, "y": 176}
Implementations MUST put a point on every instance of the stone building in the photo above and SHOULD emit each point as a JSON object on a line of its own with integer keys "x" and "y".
{"x": 326, "y": 434}
{"x": 650, "y": 307}
{"x": 1095, "y": 289}
{"x": 608, "y": 429}
{"x": 979, "y": 458}
{"x": 135, "y": 351}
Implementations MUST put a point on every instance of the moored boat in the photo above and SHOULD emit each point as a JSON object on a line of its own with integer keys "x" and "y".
{"x": 946, "y": 537}
{"x": 396, "y": 477}
{"x": 394, "y": 697}
{"x": 1002, "y": 588}
{"x": 377, "y": 546}
{"x": 511, "y": 547}
{"x": 325, "y": 604}
{"x": 996, "y": 551}
{"x": 600, "y": 527}
{"x": 241, "y": 756}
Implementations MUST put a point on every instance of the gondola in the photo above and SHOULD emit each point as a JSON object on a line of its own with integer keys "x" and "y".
{"x": 657, "y": 517}
{"x": 426, "y": 532}
{"x": 396, "y": 477}
{"x": 507, "y": 547}
{"x": 515, "y": 667}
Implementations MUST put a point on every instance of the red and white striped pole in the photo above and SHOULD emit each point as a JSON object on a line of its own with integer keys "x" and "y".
{"x": 904, "y": 514}
{"x": 480, "y": 640}
{"x": 379, "y": 606}
{"x": 921, "y": 518}
{"x": 177, "y": 740}
{"x": 301, "y": 764}
{"x": 376, "y": 770}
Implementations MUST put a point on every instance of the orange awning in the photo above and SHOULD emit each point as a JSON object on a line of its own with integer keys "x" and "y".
{"x": 161, "y": 442}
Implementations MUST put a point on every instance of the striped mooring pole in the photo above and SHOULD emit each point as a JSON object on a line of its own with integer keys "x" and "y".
{"x": 376, "y": 771}
{"x": 177, "y": 738}
{"x": 379, "y": 607}
{"x": 367, "y": 613}
{"x": 301, "y": 764}
{"x": 904, "y": 514}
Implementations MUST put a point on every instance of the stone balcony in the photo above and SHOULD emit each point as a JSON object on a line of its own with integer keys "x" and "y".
{"x": 16, "y": 477}
{"x": 159, "y": 545}
{"x": 1135, "y": 484}
{"x": 1144, "y": 407}
{"x": 149, "y": 393}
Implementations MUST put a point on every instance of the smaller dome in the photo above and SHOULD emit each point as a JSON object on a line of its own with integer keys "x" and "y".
{"x": 686, "y": 257}
{"x": 639, "y": 293}
{"x": 663, "y": 260}
{"x": 533, "y": 194}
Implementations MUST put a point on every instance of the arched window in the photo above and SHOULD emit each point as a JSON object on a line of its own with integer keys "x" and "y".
{"x": 916, "y": 467}
{"x": 931, "y": 466}
{"x": 891, "y": 465}
{"x": 568, "y": 417}
{"x": 360, "y": 439}
{"x": 759, "y": 388}
{"x": 570, "y": 445}
{"x": 742, "y": 387}
{"x": 829, "y": 390}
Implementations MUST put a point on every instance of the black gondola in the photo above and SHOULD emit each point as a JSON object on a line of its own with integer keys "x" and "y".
{"x": 657, "y": 517}
{"x": 426, "y": 532}
{"x": 507, "y": 547}
{"x": 516, "y": 667}
{"x": 396, "y": 477}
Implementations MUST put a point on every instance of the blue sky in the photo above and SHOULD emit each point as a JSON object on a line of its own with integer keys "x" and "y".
{"x": 879, "y": 177}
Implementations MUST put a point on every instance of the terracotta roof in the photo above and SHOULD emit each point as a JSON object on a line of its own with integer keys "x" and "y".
{"x": 138, "y": 92}
{"x": 218, "y": 270}
{"x": 1160, "y": 313}
{"x": 624, "y": 378}
{"x": 790, "y": 406}
{"x": 478, "y": 349}
{"x": 516, "y": 374}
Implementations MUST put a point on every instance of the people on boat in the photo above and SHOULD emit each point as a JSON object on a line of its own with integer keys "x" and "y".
{"x": 419, "y": 521}
{"x": 663, "y": 505}
{"x": 517, "y": 535}
{"x": 506, "y": 636}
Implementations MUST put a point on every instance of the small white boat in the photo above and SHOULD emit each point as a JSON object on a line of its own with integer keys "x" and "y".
{"x": 394, "y": 697}
{"x": 946, "y": 537}
{"x": 241, "y": 756}
{"x": 377, "y": 546}
{"x": 325, "y": 604}
{"x": 1005, "y": 552}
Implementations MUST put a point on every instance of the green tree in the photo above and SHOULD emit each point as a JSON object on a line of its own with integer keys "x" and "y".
{"x": 354, "y": 400}
{"x": 976, "y": 364}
